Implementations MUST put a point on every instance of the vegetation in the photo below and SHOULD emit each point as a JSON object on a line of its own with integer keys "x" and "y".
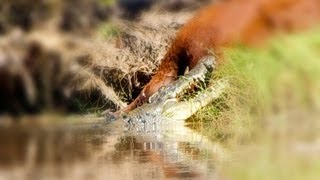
{"x": 272, "y": 110}
{"x": 268, "y": 118}
{"x": 107, "y": 2}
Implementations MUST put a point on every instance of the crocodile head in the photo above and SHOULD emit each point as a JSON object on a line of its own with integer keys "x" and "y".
{"x": 165, "y": 105}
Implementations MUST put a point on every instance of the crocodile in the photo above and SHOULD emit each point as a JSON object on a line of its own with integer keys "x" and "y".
{"x": 165, "y": 104}
{"x": 159, "y": 125}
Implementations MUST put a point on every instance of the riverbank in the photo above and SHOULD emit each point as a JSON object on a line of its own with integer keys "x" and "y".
{"x": 270, "y": 113}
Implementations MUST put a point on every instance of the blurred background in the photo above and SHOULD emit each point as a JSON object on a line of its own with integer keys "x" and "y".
{"x": 64, "y": 55}
{"x": 63, "y": 63}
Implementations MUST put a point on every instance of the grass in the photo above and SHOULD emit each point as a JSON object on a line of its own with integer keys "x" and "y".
{"x": 108, "y": 2}
{"x": 270, "y": 115}
{"x": 107, "y": 31}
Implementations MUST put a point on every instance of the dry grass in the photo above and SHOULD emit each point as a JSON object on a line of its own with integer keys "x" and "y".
{"x": 128, "y": 54}
{"x": 116, "y": 62}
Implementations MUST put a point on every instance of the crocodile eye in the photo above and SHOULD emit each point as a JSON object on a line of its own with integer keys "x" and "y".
{"x": 126, "y": 118}
{"x": 129, "y": 121}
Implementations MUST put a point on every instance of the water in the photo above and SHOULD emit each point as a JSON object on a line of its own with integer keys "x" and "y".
{"x": 93, "y": 149}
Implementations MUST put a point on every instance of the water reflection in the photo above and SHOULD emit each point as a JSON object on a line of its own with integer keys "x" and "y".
{"x": 99, "y": 150}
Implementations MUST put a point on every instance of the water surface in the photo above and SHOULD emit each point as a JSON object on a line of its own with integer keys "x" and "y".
{"x": 90, "y": 148}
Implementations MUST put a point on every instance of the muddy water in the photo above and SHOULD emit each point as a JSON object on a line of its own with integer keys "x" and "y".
{"x": 94, "y": 149}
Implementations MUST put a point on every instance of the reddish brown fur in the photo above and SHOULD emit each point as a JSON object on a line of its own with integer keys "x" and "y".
{"x": 224, "y": 23}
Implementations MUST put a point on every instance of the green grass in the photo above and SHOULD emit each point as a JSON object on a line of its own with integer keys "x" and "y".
{"x": 107, "y": 31}
{"x": 107, "y": 2}
{"x": 273, "y": 105}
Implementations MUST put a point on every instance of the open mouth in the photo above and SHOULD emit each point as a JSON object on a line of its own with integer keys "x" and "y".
{"x": 166, "y": 104}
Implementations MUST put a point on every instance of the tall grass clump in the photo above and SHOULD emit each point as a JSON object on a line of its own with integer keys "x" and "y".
{"x": 274, "y": 88}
